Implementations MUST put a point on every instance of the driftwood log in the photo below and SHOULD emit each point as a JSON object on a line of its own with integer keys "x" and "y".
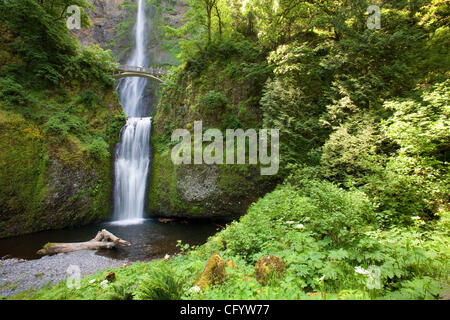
{"x": 103, "y": 240}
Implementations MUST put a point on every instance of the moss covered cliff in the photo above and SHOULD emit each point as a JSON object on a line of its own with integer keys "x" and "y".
{"x": 59, "y": 121}
{"x": 221, "y": 87}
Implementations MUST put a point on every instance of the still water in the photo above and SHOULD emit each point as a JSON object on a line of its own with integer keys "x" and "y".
{"x": 149, "y": 240}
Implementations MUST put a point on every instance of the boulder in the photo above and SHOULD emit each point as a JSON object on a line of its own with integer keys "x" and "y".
{"x": 268, "y": 267}
{"x": 213, "y": 272}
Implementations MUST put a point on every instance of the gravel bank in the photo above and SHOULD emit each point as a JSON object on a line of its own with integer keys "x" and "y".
{"x": 17, "y": 275}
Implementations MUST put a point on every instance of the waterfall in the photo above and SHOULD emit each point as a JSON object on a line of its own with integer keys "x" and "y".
{"x": 132, "y": 158}
{"x": 132, "y": 89}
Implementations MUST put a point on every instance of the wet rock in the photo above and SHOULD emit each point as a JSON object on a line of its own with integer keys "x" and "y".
{"x": 268, "y": 267}
{"x": 213, "y": 272}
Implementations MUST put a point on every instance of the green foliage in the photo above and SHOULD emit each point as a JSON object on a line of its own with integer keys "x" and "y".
{"x": 13, "y": 93}
{"x": 422, "y": 128}
{"x": 49, "y": 52}
{"x": 332, "y": 214}
{"x": 50, "y": 89}
{"x": 413, "y": 262}
{"x": 98, "y": 149}
{"x": 212, "y": 103}
{"x": 91, "y": 64}
{"x": 22, "y": 171}
{"x": 60, "y": 125}
{"x": 89, "y": 98}
{"x": 159, "y": 284}
{"x": 363, "y": 116}
{"x": 352, "y": 152}
{"x": 401, "y": 163}
{"x": 121, "y": 291}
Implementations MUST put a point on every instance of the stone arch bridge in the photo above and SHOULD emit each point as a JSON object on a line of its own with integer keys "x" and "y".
{"x": 131, "y": 71}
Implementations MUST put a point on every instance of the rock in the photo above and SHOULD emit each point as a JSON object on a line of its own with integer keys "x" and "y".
{"x": 110, "y": 277}
{"x": 203, "y": 191}
{"x": 165, "y": 220}
{"x": 267, "y": 267}
{"x": 213, "y": 272}
{"x": 445, "y": 295}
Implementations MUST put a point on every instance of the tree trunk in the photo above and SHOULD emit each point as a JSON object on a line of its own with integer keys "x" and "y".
{"x": 220, "y": 20}
{"x": 103, "y": 240}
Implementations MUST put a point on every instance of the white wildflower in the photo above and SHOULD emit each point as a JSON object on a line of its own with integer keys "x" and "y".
{"x": 166, "y": 257}
{"x": 104, "y": 283}
{"x": 415, "y": 218}
{"x": 195, "y": 289}
{"x": 299, "y": 226}
{"x": 290, "y": 222}
{"x": 92, "y": 281}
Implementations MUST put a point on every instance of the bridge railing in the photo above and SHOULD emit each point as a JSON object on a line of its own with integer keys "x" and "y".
{"x": 153, "y": 71}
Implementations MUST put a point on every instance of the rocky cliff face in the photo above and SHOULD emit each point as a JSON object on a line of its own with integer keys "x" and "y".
{"x": 112, "y": 28}
{"x": 220, "y": 99}
{"x": 105, "y": 17}
{"x": 203, "y": 191}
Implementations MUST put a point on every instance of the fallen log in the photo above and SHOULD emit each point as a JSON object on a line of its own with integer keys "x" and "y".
{"x": 103, "y": 240}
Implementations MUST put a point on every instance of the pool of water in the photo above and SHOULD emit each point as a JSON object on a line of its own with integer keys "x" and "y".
{"x": 149, "y": 239}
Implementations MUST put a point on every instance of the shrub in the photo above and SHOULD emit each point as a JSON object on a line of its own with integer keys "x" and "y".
{"x": 213, "y": 103}
{"x": 12, "y": 92}
{"x": 61, "y": 124}
{"x": 352, "y": 153}
{"x": 159, "y": 284}
{"x": 89, "y": 98}
{"x": 98, "y": 149}
{"x": 121, "y": 291}
{"x": 324, "y": 210}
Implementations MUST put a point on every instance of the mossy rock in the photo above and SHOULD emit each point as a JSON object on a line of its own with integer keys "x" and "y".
{"x": 203, "y": 191}
{"x": 268, "y": 268}
{"x": 213, "y": 273}
{"x": 111, "y": 276}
